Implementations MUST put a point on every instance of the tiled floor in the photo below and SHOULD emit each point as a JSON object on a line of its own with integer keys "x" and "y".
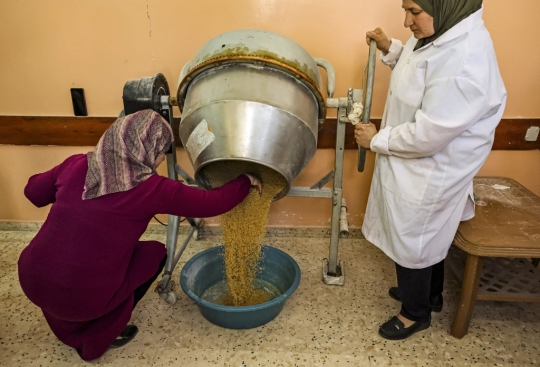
{"x": 320, "y": 325}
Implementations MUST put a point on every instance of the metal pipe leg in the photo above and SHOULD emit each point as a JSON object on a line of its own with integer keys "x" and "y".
{"x": 334, "y": 234}
{"x": 172, "y": 238}
{"x": 165, "y": 285}
{"x": 184, "y": 244}
{"x": 332, "y": 272}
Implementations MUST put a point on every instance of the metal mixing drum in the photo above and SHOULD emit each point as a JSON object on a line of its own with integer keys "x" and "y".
{"x": 251, "y": 96}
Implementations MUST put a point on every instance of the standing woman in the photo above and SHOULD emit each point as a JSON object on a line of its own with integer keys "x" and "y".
{"x": 87, "y": 268}
{"x": 445, "y": 99}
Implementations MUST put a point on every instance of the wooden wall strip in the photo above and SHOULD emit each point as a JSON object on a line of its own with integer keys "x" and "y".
{"x": 86, "y": 131}
{"x": 45, "y": 130}
{"x": 57, "y": 130}
{"x": 510, "y": 135}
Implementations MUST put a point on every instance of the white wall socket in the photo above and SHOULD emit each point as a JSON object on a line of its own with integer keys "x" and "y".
{"x": 532, "y": 133}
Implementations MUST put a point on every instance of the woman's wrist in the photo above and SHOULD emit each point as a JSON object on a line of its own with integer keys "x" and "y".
{"x": 386, "y": 50}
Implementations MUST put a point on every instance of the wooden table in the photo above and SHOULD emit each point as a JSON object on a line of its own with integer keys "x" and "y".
{"x": 502, "y": 245}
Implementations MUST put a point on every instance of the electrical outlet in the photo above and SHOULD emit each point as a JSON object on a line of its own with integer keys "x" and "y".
{"x": 79, "y": 102}
{"x": 532, "y": 133}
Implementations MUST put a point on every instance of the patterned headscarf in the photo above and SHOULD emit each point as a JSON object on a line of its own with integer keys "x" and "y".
{"x": 446, "y": 14}
{"x": 126, "y": 153}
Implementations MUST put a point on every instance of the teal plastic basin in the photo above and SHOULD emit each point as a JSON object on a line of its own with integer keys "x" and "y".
{"x": 207, "y": 268}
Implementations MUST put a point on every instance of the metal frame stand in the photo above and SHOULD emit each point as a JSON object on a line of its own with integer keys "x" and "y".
{"x": 153, "y": 93}
{"x": 165, "y": 287}
{"x": 333, "y": 272}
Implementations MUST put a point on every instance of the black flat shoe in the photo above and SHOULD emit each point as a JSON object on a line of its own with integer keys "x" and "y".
{"x": 394, "y": 329}
{"x": 436, "y": 302}
{"x": 125, "y": 337}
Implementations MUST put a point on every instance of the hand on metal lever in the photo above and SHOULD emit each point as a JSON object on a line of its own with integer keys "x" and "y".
{"x": 383, "y": 43}
{"x": 363, "y": 133}
{"x": 255, "y": 182}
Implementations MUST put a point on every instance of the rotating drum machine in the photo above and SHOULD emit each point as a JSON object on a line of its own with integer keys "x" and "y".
{"x": 254, "y": 97}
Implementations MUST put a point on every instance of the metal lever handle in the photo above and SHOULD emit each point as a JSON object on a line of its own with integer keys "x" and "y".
{"x": 367, "y": 104}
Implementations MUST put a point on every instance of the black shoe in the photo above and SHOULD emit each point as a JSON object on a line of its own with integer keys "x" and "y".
{"x": 394, "y": 329}
{"x": 125, "y": 337}
{"x": 436, "y": 301}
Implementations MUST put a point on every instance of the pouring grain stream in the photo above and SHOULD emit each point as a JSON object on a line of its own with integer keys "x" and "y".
{"x": 244, "y": 228}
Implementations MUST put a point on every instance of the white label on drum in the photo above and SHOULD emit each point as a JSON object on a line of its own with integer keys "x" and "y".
{"x": 201, "y": 137}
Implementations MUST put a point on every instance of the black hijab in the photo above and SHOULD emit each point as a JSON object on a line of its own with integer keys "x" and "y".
{"x": 446, "y": 14}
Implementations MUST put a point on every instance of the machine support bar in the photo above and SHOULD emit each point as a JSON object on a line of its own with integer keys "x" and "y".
{"x": 367, "y": 103}
{"x": 173, "y": 221}
{"x": 323, "y": 181}
{"x": 184, "y": 244}
{"x": 338, "y": 193}
{"x": 334, "y": 234}
{"x": 172, "y": 237}
{"x": 310, "y": 193}
{"x": 189, "y": 180}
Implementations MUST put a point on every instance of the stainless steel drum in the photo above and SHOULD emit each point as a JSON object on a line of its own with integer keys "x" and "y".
{"x": 252, "y": 96}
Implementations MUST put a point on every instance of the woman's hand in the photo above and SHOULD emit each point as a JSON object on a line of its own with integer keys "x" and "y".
{"x": 363, "y": 133}
{"x": 383, "y": 43}
{"x": 255, "y": 182}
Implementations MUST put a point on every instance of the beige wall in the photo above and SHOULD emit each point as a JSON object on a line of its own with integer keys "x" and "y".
{"x": 48, "y": 47}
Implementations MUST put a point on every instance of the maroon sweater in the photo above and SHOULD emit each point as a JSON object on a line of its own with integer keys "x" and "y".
{"x": 83, "y": 265}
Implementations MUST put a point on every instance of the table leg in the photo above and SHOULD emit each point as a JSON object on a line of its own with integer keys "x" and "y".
{"x": 467, "y": 298}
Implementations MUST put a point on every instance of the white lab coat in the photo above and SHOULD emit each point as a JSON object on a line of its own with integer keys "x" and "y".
{"x": 443, "y": 105}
